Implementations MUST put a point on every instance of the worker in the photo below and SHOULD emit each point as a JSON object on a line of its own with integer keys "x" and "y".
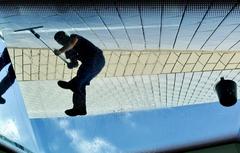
{"x": 78, "y": 48}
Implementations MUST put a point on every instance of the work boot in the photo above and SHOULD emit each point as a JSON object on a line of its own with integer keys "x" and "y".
{"x": 64, "y": 84}
{"x": 2, "y": 100}
{"x": 75, "y": 112}
{"x": 67, "y": 85}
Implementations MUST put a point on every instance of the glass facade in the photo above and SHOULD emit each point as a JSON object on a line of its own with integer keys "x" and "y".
{"x": 15, "y": 127}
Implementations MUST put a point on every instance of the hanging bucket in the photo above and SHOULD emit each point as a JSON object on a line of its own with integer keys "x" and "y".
{"x": 227, "y": 92}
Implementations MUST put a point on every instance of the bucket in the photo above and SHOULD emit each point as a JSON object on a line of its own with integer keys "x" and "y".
{"x": 227, "y": 92}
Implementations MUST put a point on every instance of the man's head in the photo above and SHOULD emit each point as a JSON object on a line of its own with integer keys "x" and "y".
{"x": 62, "y": 38}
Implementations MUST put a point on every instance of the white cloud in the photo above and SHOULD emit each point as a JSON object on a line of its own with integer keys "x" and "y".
{"x": 9, "y": 129}
{"x": 63, "y": 123}
{"x": 81, "y": 145}
{"x": 97, "y": 145}
{"x": 127, "y": 119}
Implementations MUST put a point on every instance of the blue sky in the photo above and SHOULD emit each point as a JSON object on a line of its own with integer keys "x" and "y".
{"x": 137, "y": 131}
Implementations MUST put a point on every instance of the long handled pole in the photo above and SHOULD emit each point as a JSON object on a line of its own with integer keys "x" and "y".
{"x": 38, "y": 36}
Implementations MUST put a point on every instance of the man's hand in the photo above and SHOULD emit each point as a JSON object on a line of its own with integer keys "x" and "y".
{"x": 57, "y": 52}
{"x": 72, "y": 64}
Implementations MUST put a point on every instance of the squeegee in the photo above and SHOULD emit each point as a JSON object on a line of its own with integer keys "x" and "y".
{"x": 31, "y": 29}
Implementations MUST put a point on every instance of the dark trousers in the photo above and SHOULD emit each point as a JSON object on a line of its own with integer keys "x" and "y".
{"x": 9, "y": 79}
{"x": 4, "y": 59}
{"x": 86, "y": 72}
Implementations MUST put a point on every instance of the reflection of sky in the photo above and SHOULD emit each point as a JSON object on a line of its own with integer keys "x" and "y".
{"x": 14, "y": 122}
{"x": 137, "y": 131}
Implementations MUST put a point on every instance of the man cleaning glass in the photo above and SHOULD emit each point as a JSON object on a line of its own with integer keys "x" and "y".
{"x": 77, "y": 48}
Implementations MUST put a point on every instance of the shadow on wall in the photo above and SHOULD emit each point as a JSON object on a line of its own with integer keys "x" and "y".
{"x": 9, "y": 79}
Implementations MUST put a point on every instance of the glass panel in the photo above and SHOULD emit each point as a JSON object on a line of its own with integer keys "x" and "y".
{"x": 14, "y": 123}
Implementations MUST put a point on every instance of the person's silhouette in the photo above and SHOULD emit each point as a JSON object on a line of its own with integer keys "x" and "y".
{"x": 78, "y": 48}
{"x": 9, "y": 79}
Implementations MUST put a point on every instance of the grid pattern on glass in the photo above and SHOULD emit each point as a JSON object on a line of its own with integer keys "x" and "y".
{"x": 41, "y": 64}
{"x": 187, "y": 25}
{"x": 127, "y": 93}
